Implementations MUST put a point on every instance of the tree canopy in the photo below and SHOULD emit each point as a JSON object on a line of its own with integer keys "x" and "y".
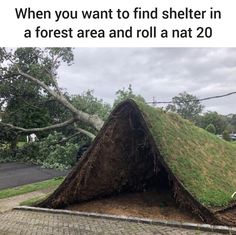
{"x": 187, "y": 105}
{"x": 30, "y": 96}
{"x": 220, "y": 122}
{"x": 123, "y": 94}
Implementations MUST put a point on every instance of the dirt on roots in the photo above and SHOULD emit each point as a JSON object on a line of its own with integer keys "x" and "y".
{"x": 124, "y": 159}
{"x": 152, "y": 205}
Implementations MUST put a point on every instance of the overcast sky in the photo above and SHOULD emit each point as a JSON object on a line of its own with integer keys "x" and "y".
{"x": 155, "y": 72}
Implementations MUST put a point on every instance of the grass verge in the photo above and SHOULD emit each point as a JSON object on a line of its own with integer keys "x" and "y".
{"x": 10, "y": 192}
{"x": 33, "y": 201}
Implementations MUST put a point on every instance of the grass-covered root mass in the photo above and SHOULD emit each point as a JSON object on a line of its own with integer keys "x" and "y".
{"x": 204, "y": 163}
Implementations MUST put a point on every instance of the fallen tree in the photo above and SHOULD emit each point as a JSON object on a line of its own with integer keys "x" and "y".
{"x": 29, "y": 75}
{"x": 141, "y": 147}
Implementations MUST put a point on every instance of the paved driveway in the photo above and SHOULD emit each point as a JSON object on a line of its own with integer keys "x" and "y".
{"x": 16, "y": 174}
{"x": 43, "y": 223}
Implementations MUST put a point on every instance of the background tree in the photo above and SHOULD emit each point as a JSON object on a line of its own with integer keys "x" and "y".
{"x": 88, "y": 103}
{"x": 124, "y": 94}
{"x": 232, "y": 121}
{"x": 219, "y": 121}
{"x": 211, "y": 128}
{"x": 186, "y": 105}
{"x": 225, "y": 135}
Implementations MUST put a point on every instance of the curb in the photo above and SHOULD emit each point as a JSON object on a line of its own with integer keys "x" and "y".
{"x": 192, "y": 226}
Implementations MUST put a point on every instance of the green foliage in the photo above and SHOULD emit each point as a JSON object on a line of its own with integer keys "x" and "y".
{"x": 25, "y": 103}
{"x": 124, "y": 94}
{"x": 88, "y": 103}
{"x": 61, "y": 157}
{"x": 219, "y": 121}
{"x": 186, "y": 105}
{"x": 21, "y": 114}
{"x": 6, "y": 155}
{"x": 211, "y": 128}
{"x": 23, "y": 99}
{"x": 225, "y": 135}
{"x": 50, "y": 152}
{"x": 5, "y": 136}
{"x": 29, "y": 153}
{"x": 233, "y": 122}
{"x": 5, "y": 193}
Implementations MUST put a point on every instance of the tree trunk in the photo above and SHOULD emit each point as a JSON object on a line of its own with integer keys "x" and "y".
{"x": 13, "y": 146}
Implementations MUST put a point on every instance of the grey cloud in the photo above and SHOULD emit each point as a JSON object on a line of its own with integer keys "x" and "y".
{"x": 155, "y": 72}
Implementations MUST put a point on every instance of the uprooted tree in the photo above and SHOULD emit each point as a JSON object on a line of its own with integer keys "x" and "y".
{"x": 30, "y": 97}
{"x": 142, "y": 148}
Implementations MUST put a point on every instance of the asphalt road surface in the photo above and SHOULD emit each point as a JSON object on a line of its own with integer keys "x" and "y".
{"x": 16, "y": 174}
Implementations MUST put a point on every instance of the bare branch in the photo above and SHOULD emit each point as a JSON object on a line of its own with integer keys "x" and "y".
{"x": 64, "y": 140}
{"x": 56, "y": 84}
{"x": 87, "y": 133}
{"x": 50, "y": 72}
{"x": 92, "y": 120}
{"x": 40, "y": 83}
{"x": 67, "y": 139}
{"x": 80, "y": 131}
{"x": 31, "y": 130}
{"x": 58, "y": 97}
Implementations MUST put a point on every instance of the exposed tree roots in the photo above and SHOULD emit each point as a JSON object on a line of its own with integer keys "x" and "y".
{"x": 124, "y": 158}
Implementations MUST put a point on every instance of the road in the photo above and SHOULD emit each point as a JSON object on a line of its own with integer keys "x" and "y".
{"x": 16, "y": 174}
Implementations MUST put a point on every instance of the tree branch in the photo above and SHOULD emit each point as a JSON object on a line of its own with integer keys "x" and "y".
{"x": 31, "y": 130}
{"x": 67, "y": 139}
{"x": 54, "y": 80}
{"x": 92, "y": 120}
{"x": 80, "y": 131}
{"x": 87, "y": 133}
{"x": 59, "y": 97}
{"x": 50, "y": 72}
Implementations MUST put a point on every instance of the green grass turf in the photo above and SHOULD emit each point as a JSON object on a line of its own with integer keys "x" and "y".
{"x": 203, "y": 163}
{"x": 33, "y": 201}
{"x": 10, "y": 192}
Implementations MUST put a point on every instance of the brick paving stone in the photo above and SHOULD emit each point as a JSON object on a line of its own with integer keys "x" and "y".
{"x": 24, "y": 222}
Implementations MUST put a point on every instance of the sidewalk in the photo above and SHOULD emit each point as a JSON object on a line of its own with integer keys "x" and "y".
{"x": 60, "y": 222}
{"x": 26, "y": 222}
{"x": 7, "y": 204}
